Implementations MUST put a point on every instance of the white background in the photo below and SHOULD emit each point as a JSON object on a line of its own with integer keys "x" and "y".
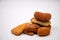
{"x": 13, "y": 13}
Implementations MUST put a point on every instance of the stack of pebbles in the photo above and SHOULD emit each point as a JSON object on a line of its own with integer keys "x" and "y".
{"x": 43, "y": 20}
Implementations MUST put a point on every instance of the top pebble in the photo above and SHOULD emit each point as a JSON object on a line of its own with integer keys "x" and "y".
{"x": 42, "y": 16}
